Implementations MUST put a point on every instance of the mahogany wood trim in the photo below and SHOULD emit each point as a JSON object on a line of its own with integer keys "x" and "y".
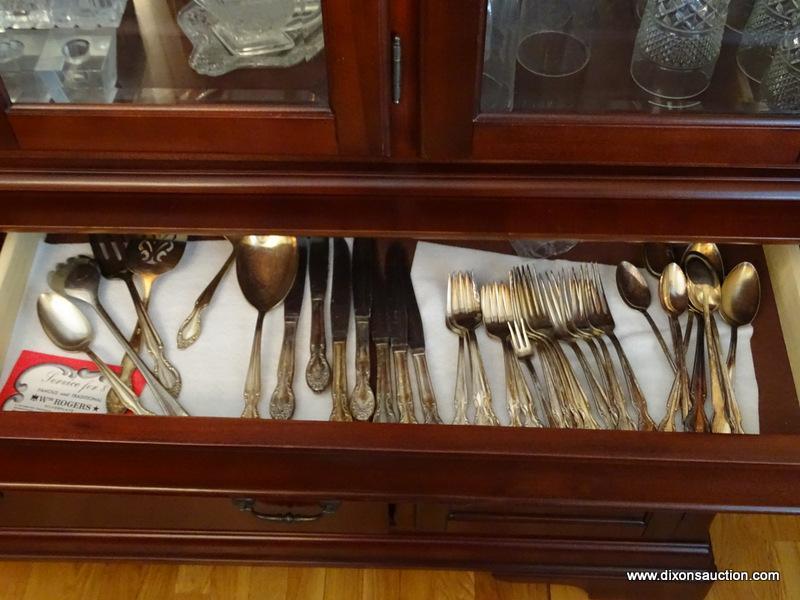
{"x": 449, "y": 75}
{"x": 357, "y": 47}
{"x": 201, "y": 456}
{"x": 637, "y": 210}
{"x": 513, "y": 518}
{"x": 589, "y": 557}
{"x": 639, "y": 140}
{"x": 111, "y": 128}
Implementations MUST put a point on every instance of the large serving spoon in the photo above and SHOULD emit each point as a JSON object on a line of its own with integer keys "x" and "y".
{"x": 70, "y": 330}
{"x": 635, "y": 293}
{"x": 266, "y": 266}
{"x": 741, "y": 298}
{"x": 79, "y": 279}
{"x": 674, "y": 299}
{"x": 705, "y": 293}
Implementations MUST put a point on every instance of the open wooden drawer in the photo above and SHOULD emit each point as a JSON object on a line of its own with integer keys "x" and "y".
{"x": 316, "y": 461}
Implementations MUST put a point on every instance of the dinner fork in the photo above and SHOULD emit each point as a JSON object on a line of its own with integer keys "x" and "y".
{"x": 525, "y": 351}
{"x": 600, "y": 315}
{"x": 463, "y": 389}
{"x": 497, "y": 315}
{"x": 466, "y": 315}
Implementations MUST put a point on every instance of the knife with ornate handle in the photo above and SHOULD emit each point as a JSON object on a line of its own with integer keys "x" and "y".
{"x": 281, "y": 404}
{"x": 340, "y": 322}
{"x": 397, "y": 265}
{"x": 398, "y": 334}
{"x": 318, "y": 371}
{"x": 362, "y": 402}
{"x": 385, "y": 405}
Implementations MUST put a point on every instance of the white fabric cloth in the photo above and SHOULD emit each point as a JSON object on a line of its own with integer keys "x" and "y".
{"x": 214, "y": 368}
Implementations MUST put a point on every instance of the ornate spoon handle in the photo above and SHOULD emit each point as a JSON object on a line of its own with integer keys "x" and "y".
{"x": 125, "y": 394}
{"x": 645, "y": 422}
{"x": 252, "y": 384}
{"x": 192, "y": 326}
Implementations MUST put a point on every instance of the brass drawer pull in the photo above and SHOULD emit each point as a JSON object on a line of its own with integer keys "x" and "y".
{"x": 248, "y": 505}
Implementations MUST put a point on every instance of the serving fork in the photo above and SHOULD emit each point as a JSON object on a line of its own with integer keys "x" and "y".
{"x": 111, "y": 254}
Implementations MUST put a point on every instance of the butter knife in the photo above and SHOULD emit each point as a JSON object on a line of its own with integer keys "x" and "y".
{"x": 362, "y": 402}
{"x": 385, "y": 408}
{"x": 281, "y": 404}
{"x": 340, "y": 322}
{"x": 318, "y": 371}
{"x": 398, "y": 334}
{"x": 397, "y": 265}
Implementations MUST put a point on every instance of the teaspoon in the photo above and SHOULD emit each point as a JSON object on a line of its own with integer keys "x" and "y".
{"x": 635, "y": 293}
{"x": 741, "y": 298}
{"x": 266, "y": 266}
{"x": 656, "y": 257}
{"x": 710, "y": 253}
{"x": 705, "y": 294}
{"x": 70, "y": 330}
{"x": 674, "y": 299}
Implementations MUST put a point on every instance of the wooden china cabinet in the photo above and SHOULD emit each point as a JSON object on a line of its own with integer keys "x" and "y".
{"x": 381, "y": 133}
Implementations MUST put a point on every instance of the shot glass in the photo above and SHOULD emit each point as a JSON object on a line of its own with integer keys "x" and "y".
{"x": 780, "y": 89}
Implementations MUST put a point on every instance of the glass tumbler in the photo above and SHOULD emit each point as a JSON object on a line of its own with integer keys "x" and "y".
{"x": 26, "y": 14}
{"x": 500, "y": 55}
{"x": 768, "y": 24}
{"x": 780, "y": 89}
{"x": 677, "y": 47}
{"x": 554, "y": 50}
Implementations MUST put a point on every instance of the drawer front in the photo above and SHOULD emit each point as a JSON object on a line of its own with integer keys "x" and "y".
{"x": 188, "y": 513}
{"x": 504, "y": 520}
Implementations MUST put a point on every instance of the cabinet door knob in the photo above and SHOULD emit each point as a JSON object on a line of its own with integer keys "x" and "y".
{"x": 248, "y": 505}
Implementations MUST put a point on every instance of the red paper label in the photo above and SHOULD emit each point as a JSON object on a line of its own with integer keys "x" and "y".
{"x": 46, "y": 383}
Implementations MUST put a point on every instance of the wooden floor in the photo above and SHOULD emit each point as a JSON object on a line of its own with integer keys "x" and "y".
{"x": 740, "y": 542}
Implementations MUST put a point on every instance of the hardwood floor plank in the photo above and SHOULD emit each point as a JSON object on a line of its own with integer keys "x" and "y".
{"x": 343, "y": 584}
{"x": 787, "y": 559}
{"x": 268, "y": 583}
{"x": 567, "y": 592}
{"x": 381, "y": 584}
{"x": 489, "y": 588}
{"x": 305, "y": 584}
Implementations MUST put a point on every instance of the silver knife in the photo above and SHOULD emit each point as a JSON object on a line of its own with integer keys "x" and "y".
{"x": 362, "y": 402}
{"x": 281, "y": 405}
{"x": 397, "y": 264}
{"x": 385, "y": 408}
{"x": 318, "y": 371}
{"x": 398, "y": 334}
{"x": 340, "y": 321}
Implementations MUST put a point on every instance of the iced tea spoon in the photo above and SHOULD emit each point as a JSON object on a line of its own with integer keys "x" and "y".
{"x": 70, "y": 330}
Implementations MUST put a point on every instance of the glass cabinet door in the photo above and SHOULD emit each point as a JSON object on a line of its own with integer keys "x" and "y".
{"x": 646, "y": 56}
{"x": 163, "y": 51}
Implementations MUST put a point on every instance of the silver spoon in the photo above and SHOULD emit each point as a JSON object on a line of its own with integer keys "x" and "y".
{"x": 674, "y": 299}
{"x": 741, "y": 298}
{"x": 656, "y": 257}
{"x": 705, "y": 294}
{"x": 635, "y": 293}
{"x": 79, "y": 279}
{"x": 711, "y": 254}
{"x": 266, "y": 266}
{"x": 70, "y": 330}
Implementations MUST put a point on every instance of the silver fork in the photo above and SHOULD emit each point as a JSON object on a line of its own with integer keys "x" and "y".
{"x": 497, "y": 315}
{"x": 562, "y": 309}
{"x": 525, "y": 351}
{"x": 466, "y": 315}
{"x": 600, "y": 315}
{"x": 529, "y": 311}
{"x": 463, "y": 389}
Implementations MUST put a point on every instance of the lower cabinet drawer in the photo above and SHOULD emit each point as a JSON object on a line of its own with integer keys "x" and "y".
{"x": 510, "y": 521}
{"x": 132, "y": 511}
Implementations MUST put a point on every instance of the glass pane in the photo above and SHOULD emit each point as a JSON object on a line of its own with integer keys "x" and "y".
{"x": 163, "y": 51}
{"x": 674, "y": 56}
